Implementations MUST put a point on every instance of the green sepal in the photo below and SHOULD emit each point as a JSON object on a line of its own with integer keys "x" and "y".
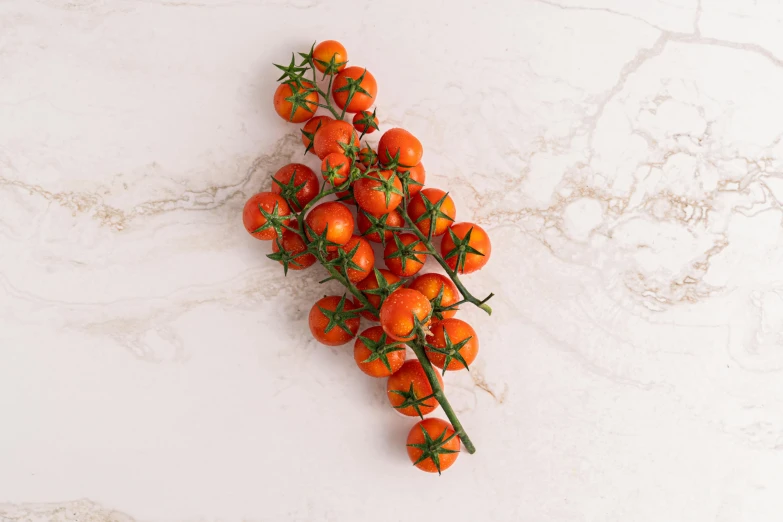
{"x": 450, "y": 351}
{"x": 461, "y": 249}
{"x": 338, "y": 316}
{"x": 380, "y": 350}
{"x": 433, "y": 448}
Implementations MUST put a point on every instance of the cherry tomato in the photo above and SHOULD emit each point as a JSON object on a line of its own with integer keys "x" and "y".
{"x": 436, "y": 451}
{"x": 418, "y": 208}
{"x": 371, "y": 283}
{"x": 325, "y": 51}
{"x": 407, "y": 261}
{"x": 399, "y": 141}
{"x": 368, "y": 157}
{"x": 416, "y": 177}
{"x": 294, "y": 245}
{"x": 430, "y": 285}
{"x": 393, "y": 219}
{"x": 398, "y": 390}
{"x": 333, "y": 320}
{"x": 306, "y": 104}
{"x": 465, "y": 255}
{"x": 377, "y": 197}
{"x": 360, "y": 100}
{"x": 377, "y": 355}
{"x": 336, "y": 217}
{"x": 255, "y": 222}
{"x": 398, "y": 311}
{"x": 364, "y": 258}
{"x": 304, "y": 177}
{"x": 310, "y": 128}
{"x": 335, "y": 168}
{"x": 365, "y": 121}
{"x": 331, "y": 135}
{"x": 462, "y": 343}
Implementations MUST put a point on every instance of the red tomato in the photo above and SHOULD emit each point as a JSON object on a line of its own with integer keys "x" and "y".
{"x": 398, "y": 390}
{"x": 375, "y": 196}
{"x": 325, "y": 51}
{"x": 465, "y": 255}
{"x": 336, "y": 168}
{"x": 304, "y": 177}
{"x": 417, "y": 208}
{"x": 399, "y": 141}
{"x": 331, "y": 135}
{"x": 393, "y": 219}
{"x": 360, "y": 100}
{"x": 430, "y": 285}
{"x": 398, "y": 311}
{"x": 436, "y": 451}
{"x": 336, "y": 217}
{"x": 376, "y": 355}
{"x": 294, "y": 245}
{"x": 371, "y": 283}
{"x": 310, "y": 128}
{"x": 255, "y": 221}
{"x": 456, "y": 353}
{"x": 365, "y": 122}
{"x": 416, "y": 177}
{"x": 333, "y": 320}
{"x": 294, "y": 103}
{"x": 364, "y": 258}
{"x": 407, "y": 261}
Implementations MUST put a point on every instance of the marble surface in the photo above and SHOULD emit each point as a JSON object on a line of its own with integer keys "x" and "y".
{"x": 625, "y": 156}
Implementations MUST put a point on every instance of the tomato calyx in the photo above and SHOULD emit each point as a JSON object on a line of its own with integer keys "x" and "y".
{"x": 298, "y": 98}
{"x": 433, "y": 448}
{"x": 450, "y": 351}
{"x": 380, "y": 350}
{"x": 368, "y": 121}
{"x": 437, "y": 306}
{"x": 349, "y": 149}
{"x": 292, "y": 72}
{"x": 377, "y": 224}
{"x": 352, "y": 86}
{"x": 338, "y": 317}
{"x": 433, "y": 212}
{"x": 332, "y": 173}
{"x": 289, "y": 190}
{"x": 284, "y": 257}
{"x": 367, "y": 156}
{"x": 385, "y": 289}
{"x": 386, "y": 184}
{"x": 407, "y": 181}
{"x": 307, "y": 58}
{"x": 343, "y": 261}
{"x": 461, "y": 249}
{"x": 393, "y": 162}
{"x": 406, "y": 253}
{"x": 410, "y": 400}
{"x": 273, "y": 220}
{"x": 318, "y": 243}
{"x": 331, "y": 67}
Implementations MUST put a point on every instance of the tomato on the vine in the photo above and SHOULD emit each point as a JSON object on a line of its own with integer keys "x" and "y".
{"x": 334, "y": 136}
{"x": 332, "y": 217}
{"x": 262, "y": 213}
{"x": 366, "y": 222}
{"x": 433, "y": 446}
{"x": 377, "y": 355}
{"x": 414, "y": 177}
{"x": 368, "y": 157}
{"x": 378, "y": 194}
{"x": 297, "y": 192}
{"x": 431, "y": 202}
{"x": 336, "y": 168}
{"x": 401, "y": 147}
{"x": 360, "y": 263}
{"x": 333, "y": 320}
{"x": 324, "y": 52}
{"x": 362, "y": 82}
{"x": 466, "y": 247}
{"x": 453, "y": 344}
{"x": 402, "y": 310}
{"x": 433, "y": 285}
{"x": 375, "y": 289}
{"x": 296, "y": 103}
{"x": 409, "y": 391}
{"x": 365, "y": 122}
{"x": 310, "y": 128}
{"x": 292, "y": 244}
{"x": 405, "y": 255}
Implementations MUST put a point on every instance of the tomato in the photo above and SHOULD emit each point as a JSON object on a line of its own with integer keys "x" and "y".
{"x": 376, "y": 355}
{"x": 370, "y": 288}
{"x": 365, "y": 122}
{"x": 331, "y": 135}
{"x": 294, "y": 245}
{"x": 405, "y": 255}
{"x": 310, "y": 128}
{"x": 453, "y": 344}
{"x": 301, "y": 190}
{"x": 379, "y": 194}
{"x": 398, "y": 312}
{"x": 399, "y": 141}
{"x": 364, "y": 258}
{"x": 325, "y": 51}
{"x": 294, "y": 103}
{"x": 365, "y": 223}
{"x": 430, "y": 285}
{"x": 336, "y": 217}
{"x": 342, "y": 84}
{"x": 437, "y": 450}
{"x": 415, "y": 176}
{"x": 336, "y": 168}
{"x": 408, "y": 386}
{"x": 418, "y": 208}
{"x": 333, "y": 320}
{"x": 255, "y": 222}
{"x": 368, "y": 157}
{"x": 470, "y": 255}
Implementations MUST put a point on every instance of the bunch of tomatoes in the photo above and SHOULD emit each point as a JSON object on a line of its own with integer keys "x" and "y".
{"x": 375, "y": 195}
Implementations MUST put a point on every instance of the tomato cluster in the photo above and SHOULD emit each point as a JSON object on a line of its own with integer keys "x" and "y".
{"x": 377, "y": 195}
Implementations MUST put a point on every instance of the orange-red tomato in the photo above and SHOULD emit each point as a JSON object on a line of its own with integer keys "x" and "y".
{"x": 364, "y": 258}
{"x": 285, "y": 108}
{"x": 371, "y": 195}
{"x": 336, "y": 217}
{"x": 331, "y": 135}
{"x": 293, "y": 244}
{"x": 371, "y": 359}
{"x": 398, "y": 390}
{"x": 417, "y": 174}
{"x": 360, "y": 101}
{"x": 371, "y": 283}
{"x": 304, "y": 175}
{"x": 324, "y": 51}
{"x": 458, "y": 331}
{"x": 368, "y": 157}
{"x": 399, "y": 141}
{"x": 417, "y": 208}
{"x": 311, "y": 127}
{"x": 253, "y": 219}
{"x": 430, "y": 285}
{"x": 343, "y": 324}
{"x": 412, "y": 264}
{"x": 479, "y": 240}
{"x": 339, "y": 164}
{"x": 393, "y": 219}
{"x": 398, "y": 311}
{"x": 437, "y": 430}
{"x": 365, "y": 116}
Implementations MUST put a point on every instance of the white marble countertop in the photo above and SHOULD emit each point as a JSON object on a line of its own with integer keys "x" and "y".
{"x": 625, "y": 156}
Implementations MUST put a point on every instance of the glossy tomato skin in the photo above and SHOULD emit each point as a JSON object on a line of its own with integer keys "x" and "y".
{"x": 458, "y": 330}
{"x": 417, "y": 208}
{"x": 374, "y": 201}
{"x": 331, "y": 135}
{"x": 403, "y": 142}
{"x": 371, "y": 283}
{"x": 418, "y": 174}
{"x": 412, "y": 265}
{"x": 318, "y": 322}
{"x": 394, "y": 219}
{"x": 283, "y": 107}
{"x": 253, "y": 219}
{"x": 360, "y": 101}
{"x": 398, "y": 311}
{"x": 340, "y": 162}
{"x": 313, "y": 125}
{"x": 338, "y": 219}
{"x": 302, "y": 174}
{"x": 479, "y": 240}
{"x": 435, "y": 428}
{"x": 324, "y": 51}
{"x": 376, "y": 368}
{"x": 364, "y": 258}
{"x": 430, "y": 284}
{"x": 361, "y": 127}
{"x": 411, "y": 372}
{"x": 293, "y": 244}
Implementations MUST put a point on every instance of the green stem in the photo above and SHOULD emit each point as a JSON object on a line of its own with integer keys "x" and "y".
{"x": 325, "y": 95}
